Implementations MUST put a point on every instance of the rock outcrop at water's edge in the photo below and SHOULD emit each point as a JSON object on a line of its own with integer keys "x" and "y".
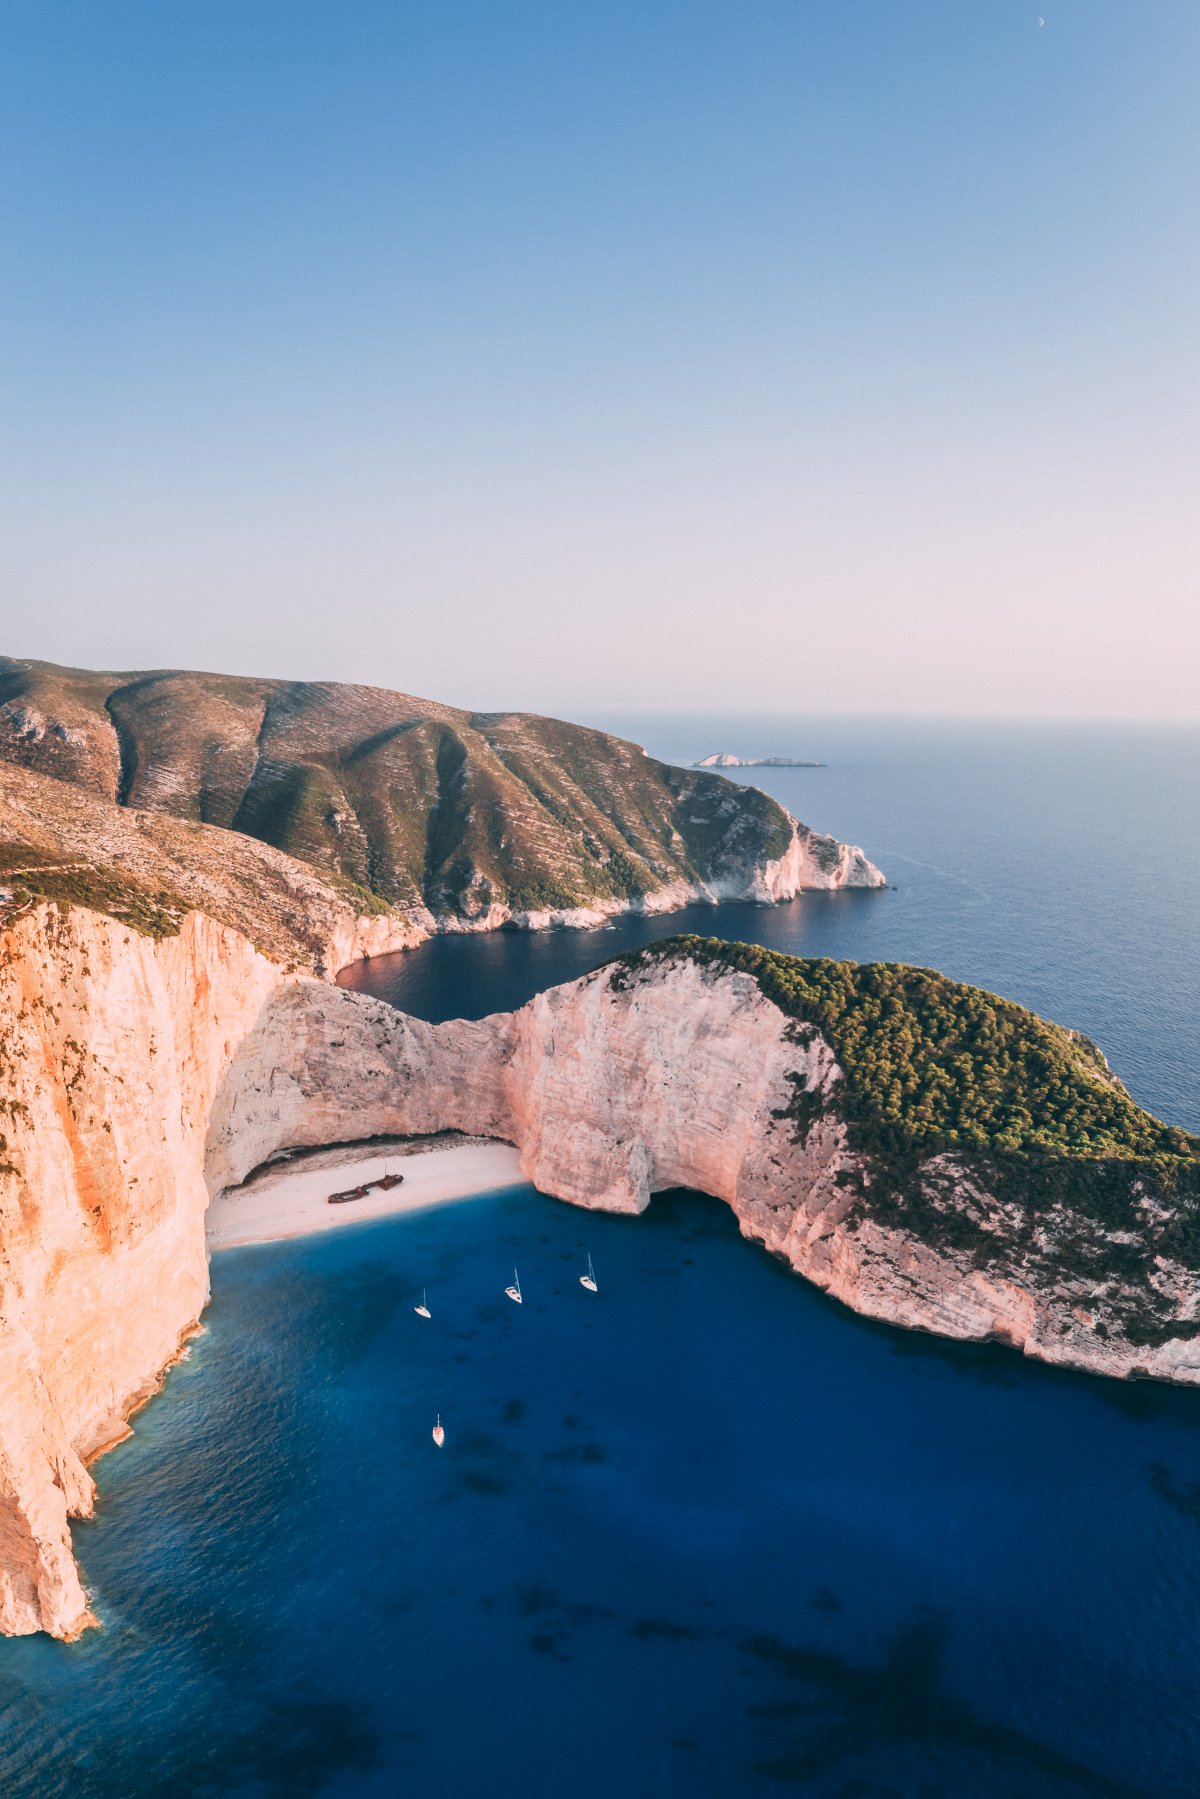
{"x": 811, "y": 862}
{"x": 688, "y": 1076}
{"x": 137, "y": 1075}
{"x": 112, "y": 1053}
{"x": 439, "y": 818}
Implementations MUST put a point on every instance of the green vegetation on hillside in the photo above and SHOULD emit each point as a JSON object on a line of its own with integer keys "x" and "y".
{"x": 62, "y": 843}
{"x": 153, "y": 913}
{"x": 933, "y": 1068}
{"x": 933, "y": 1062}
{"x": 422, "y": 805}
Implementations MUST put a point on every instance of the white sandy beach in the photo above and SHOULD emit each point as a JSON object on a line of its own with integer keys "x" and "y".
{"x": 288, "y": 1199}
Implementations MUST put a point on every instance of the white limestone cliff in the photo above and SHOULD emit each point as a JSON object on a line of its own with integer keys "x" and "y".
{"x": 682, "y": 1078}
{"x": 136, "y": 1077}
{"x": 811, "y": 862}
{"x": 112, "y": 1051}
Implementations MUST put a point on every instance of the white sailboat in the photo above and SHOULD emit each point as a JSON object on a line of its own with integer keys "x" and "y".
{"x": 422, "y": 1310}
{"x": 439, "y": 1435}
{"x": 514, "y": 1292}
{"x": 588, "y": 1280}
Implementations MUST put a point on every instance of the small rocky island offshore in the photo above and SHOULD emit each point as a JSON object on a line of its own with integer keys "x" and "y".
{"x": 722, "y": 759}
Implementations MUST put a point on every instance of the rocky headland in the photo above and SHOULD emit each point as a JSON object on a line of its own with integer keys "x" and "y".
{"x": 422, "y": 814}
{"x": 927, "y": 1153}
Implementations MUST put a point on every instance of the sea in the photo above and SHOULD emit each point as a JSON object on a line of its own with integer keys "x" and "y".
{"x": 704, "y": 1532}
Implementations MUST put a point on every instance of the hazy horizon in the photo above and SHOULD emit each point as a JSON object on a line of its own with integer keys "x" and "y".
{"x": 602, "y": 716}
{"x": 836, "y": 360}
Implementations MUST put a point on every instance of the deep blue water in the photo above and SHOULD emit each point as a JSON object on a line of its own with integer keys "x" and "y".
{"x": 1060, "y": 867}
{"x": 706, "y": 1533}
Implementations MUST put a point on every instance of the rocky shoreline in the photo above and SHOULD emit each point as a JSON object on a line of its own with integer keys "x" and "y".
{"x": 139, "y": 1077}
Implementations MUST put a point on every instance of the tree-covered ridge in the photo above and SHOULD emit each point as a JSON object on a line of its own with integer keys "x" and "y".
{"x": 936, "y": 1064}
{"x": 987, "y": 1133}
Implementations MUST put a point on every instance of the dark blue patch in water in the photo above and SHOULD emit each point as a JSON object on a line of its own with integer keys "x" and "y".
{"x": 693, "y": 1536}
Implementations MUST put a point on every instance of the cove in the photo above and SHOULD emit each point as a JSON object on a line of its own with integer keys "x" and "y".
{"x": 703, "y": 1533}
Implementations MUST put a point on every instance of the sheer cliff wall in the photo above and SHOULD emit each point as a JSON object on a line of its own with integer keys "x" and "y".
{"x": 138, "y": 1076}
{"x": 686, "y": 1077}
{"x": 112, "y": 1051}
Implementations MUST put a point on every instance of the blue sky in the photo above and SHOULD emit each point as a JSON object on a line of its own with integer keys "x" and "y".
{"x": 579, "y": 355}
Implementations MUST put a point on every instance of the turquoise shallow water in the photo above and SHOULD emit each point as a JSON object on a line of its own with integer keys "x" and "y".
{"x": 706, "y": 1533}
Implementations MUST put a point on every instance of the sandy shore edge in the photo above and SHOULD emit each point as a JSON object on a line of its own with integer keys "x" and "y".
{"x": 291, "y": 1199}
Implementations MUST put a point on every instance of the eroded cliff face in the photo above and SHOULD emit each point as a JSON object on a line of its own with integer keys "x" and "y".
{"x": 112, "y": 1051}
{"x": 616, "y": 1087}
{"x": 811, "y": 863}
{"x": 687, "y": 1077}
{"x": 136, "y": 1077}
{"x": 324, "y": 1065}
